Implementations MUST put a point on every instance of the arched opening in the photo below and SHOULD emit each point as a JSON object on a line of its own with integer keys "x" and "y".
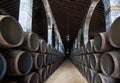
{"x": 97, "y": 23}
{"x": 81, "y": 40}
{"x": 53, "y": 36}
{"x": 39, "y": 22}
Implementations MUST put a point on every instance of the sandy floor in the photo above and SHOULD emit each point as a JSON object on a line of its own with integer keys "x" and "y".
{"x": 66, "y": 73}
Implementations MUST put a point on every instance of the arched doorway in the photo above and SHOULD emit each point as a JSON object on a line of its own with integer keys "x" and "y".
{"x": 97, "y": 23}
{"x": 39, "y": 22}
{"x": 95, "y": 18}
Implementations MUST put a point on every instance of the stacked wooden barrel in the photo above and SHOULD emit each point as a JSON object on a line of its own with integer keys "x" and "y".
{"x": 99, "y": 59}
{"x": 24, "y": 56}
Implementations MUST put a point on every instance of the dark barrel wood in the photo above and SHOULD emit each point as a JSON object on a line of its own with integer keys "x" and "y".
{"x": 113, "y": 34}
{"x": 32, "y": 77}
{"x": 37, "y": 60}
{"x": 101, "y": 78}
{"x": 87, "y": 57}
{"x": 90, "y": 75}
{"x": 47, "y": 59}
{"x": 42, "y": 46}
{"x": 11, "y": 33}
{"x": 101, "y": 43}
{"x": 18, "y": 62}
{"x": 42, "y": 74}
{"x": 95, "y": 61}
{"x": 110, "y": 63}
{"x": 84, "y": 60}
{"x": 31, "y": 42}
{"x": 3, "y": 66}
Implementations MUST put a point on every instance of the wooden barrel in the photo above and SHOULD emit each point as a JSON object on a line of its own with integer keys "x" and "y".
{"x": 51, "y": 59}
{"x": 86, "y": 70}
{"x": 30, "y": 42}
{"x": 101, "y": 78}
{"x": 113, "y": 34}
{"x": 82, "y": 69}
{"x": 87, "y": 57}
{"x": 51, "y": 70}
{"x": 76, "y": 59}
{"x": 48, "y": 70}
{"x": 55, "y": 59}
{"x": 77, "y": 52}
{"x": 42, "y": 74}
{"x": 84, "y": 60}
{"x": 110, "y": 63}
{"x": 54, "y": 67}
{"x": 37, "y": 60}
{"x": 95, "y": 61}
{"x": 101, "y": 43}
{"x": 30, "y": 78}
{"x": 54, "y": 51}
{"x": 90, "y": 75}
{"x": 3, "y": 66}
{"x": 42, "y": 46}
{"x": 47, "y": 59}
{"x": 11, "y": 33}
{"x": 80, "y": 59}
{"x": 18, "y": 62}
{"x": 90, "y": 46}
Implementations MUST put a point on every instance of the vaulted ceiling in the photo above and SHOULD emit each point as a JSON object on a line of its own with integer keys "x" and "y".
{"x": 69, "y": 16}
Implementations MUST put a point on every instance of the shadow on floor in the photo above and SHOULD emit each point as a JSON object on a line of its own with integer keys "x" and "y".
{"x": 66, "y": 73}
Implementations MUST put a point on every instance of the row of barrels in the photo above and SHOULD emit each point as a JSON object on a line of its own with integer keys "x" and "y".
{"x": 12, "y": 36}
{"x": 24, "y": 56}
{"x": 38, "y": 76}
{"x": 99, "y": 59}
{"x": 91, "y": 68}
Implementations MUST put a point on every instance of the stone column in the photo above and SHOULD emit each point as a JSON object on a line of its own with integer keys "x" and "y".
{"x": 25, "y": 14}
{"x": 112, "y": 11}
{"x": 88, "y": 19}
{"x": 49, "y": 20}
{"x": 76, "y": 43}
{"x": 79, "y": 37}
